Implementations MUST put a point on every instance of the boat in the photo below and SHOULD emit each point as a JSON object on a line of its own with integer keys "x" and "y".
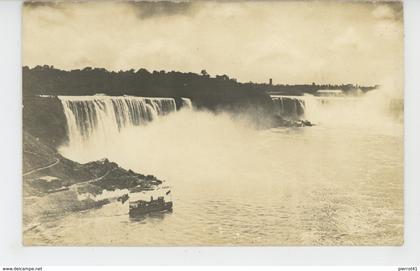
{"x": 138, "y": 207}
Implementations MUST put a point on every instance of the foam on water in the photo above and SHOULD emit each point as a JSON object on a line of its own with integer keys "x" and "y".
{"x": 336, "y": 183}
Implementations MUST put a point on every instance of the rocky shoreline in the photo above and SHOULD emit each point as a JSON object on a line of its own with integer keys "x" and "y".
{"x": 54, "y": 185}
{"x": 283, "y": 122}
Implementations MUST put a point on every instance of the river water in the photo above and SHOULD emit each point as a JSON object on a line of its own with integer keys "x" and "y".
{"x": 337, "y": 183}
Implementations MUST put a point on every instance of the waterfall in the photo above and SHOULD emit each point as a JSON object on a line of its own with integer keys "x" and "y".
{"x": 312, "y": 108}
{"x": 289, "y": 106}
{"x": 373, "y": 107}
{"x": 102, "y": 117}
{"x": 186, "y": 102}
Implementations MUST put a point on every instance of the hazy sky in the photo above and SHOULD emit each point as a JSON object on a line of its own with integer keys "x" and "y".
{"x": 291, "y": 42}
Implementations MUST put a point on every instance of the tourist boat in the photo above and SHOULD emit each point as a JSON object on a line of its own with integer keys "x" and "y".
{"x": 138, "y": 207}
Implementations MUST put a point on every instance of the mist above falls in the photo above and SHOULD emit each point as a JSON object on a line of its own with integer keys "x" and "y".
{"x": 208, "y": 147}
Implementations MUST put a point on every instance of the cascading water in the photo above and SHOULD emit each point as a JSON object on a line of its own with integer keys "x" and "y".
{"x": 321, "y": 109}
{"x": 186, "y": 103}
{"x": 102, "y": 117}
{"x": 373, "y": 108}
{"x": 283, "y": 173}
{"x": 289, "y": 106}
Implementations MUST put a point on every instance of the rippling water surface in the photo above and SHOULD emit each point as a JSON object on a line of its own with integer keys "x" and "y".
{"x": 326, "y": 185}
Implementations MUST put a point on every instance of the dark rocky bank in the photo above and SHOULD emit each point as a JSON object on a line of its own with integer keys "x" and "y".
{"x": 54, "y": 185}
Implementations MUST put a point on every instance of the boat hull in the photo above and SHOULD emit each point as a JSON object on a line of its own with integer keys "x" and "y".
{"x": 138, "y": 211}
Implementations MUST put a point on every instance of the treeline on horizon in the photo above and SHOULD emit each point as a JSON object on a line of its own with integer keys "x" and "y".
{"x": 204, "y": 90}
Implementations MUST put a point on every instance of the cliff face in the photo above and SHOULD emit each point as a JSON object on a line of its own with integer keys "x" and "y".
{"x": 40, "y": 160}
{"x": 54, "y": 185}
{"x": 44, "y": 119}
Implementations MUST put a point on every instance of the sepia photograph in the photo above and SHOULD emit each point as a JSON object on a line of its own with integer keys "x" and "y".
{"x": 213, "y": 123}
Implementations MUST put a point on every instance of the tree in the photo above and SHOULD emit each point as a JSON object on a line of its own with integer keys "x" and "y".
{"x": 204, "y": 73}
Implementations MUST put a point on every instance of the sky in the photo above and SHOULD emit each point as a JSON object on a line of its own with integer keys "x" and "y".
{"x": 290, "y": 42}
